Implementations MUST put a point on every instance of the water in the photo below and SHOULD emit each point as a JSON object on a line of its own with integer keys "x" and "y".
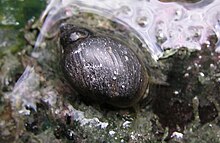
{"x": 159, "y": 25}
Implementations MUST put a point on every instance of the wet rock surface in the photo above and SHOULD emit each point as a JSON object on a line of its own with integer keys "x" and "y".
{"x": 185, "y": 109}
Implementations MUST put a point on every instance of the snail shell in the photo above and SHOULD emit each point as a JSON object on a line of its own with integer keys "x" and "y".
{"x": 102, "y": 68}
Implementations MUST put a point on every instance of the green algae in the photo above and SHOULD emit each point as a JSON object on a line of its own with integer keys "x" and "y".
{"x": 61, "y": 116}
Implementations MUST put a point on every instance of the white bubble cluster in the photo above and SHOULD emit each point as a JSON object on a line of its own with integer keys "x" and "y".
{"x": 159, "y": 25}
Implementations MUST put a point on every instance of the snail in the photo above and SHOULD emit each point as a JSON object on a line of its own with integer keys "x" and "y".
{"x": 102, "y": 68}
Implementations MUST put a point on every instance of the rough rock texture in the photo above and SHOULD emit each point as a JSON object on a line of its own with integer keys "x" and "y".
{"x": 42, "y": 107}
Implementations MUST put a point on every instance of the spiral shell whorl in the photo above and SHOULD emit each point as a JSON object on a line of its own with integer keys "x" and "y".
{"x": 104, "y": 69}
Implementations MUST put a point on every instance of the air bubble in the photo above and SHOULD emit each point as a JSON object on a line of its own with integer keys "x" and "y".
{"x": 144, "y": 17}
{"x": 142, "y": 21}
{"x": 179, "y": 15}
{"x": 213, "y": 20}
{"x": 125, "y": 11}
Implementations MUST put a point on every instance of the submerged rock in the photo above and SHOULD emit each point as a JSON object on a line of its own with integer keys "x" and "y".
{"x": 43, "y": 107}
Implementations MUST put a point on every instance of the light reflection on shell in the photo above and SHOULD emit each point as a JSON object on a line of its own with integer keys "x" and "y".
{"x": 101, "y": 68}
{"x": 159, "y": 25}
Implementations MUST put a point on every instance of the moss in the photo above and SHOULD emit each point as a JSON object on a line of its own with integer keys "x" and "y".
{"x": 17, "y": 13}
{"x": 172, "y": 109}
